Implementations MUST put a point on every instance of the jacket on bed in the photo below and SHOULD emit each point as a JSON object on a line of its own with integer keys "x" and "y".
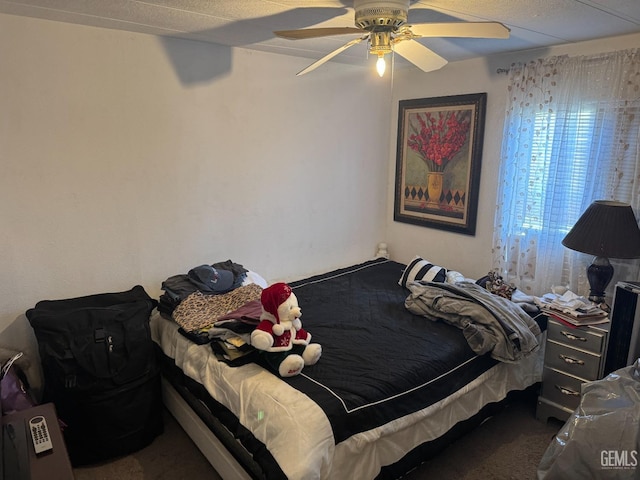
{"x": 489, "y": 323}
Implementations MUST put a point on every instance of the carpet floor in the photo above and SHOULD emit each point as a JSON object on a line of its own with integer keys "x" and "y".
{"x": 507, "y": 446}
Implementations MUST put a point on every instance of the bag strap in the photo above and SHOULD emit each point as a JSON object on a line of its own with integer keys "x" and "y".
{"x": 9, "y": 363}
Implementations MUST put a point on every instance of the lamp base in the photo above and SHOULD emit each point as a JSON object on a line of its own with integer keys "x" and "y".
{"x": 599, "y": 274}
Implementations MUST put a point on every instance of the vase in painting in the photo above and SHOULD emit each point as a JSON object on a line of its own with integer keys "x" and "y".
{"x": 434, "y": 188}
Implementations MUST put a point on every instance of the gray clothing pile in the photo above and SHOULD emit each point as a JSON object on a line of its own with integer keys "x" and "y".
{"x": 490, "y": 323}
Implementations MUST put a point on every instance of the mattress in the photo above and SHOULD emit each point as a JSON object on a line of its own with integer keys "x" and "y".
{"x": 388, "y": 381}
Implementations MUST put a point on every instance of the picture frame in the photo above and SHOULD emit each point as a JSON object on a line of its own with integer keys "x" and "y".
{"x": 438, "y": 160}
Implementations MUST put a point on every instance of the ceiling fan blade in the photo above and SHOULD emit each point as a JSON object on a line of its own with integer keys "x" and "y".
{"x": 317, "y": 32}
{"x": 328, "y": 57}
{"x": 423, "y": 58}
{"x": 461, "y": 29}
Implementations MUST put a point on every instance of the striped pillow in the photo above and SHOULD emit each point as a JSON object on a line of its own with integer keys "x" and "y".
{"x": 421, "y": 269}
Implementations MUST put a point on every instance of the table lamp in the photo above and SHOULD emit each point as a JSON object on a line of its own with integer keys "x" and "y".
{"x": 606, "y": 229}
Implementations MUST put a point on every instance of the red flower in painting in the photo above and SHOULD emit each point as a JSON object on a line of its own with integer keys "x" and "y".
{"x": 438, "y": 137}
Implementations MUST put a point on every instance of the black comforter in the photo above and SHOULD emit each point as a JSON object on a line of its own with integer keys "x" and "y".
{"x": 379, "y": 361}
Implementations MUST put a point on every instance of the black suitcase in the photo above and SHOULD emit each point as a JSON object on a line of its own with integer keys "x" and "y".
{"x": 100, "y": 371}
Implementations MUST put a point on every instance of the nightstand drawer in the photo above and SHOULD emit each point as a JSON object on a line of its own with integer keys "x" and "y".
{"x": 576, "y": 362}
{"x": 590, "y": 339}
{"x": 561, "y": 388}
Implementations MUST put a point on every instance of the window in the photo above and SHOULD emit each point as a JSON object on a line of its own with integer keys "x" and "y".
{"x": 578, "y": 126}
{"x": 571, "y": 136}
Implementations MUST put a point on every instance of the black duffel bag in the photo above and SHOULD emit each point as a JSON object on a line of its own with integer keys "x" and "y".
{"x": 100, "y": 371}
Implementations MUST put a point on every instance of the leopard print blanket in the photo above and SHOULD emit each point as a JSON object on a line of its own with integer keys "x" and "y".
{"x": 198, "y": 311}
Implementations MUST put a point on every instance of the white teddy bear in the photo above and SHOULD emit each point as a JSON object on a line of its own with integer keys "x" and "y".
{"x": 279, "y": 335}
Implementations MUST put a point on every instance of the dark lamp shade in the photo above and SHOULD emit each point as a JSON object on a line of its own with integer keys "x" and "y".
{"x": 606, "y": 229}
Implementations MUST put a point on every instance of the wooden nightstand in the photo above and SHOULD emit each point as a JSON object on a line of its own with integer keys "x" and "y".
{"x": 572, "y": 356}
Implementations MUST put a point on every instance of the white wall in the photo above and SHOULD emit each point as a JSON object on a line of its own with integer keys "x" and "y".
{"x": 126, "y": 159}
{"x": 469, "y": 254}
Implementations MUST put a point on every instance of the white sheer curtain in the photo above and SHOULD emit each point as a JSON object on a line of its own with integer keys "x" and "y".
{"x": 571, "y": 136}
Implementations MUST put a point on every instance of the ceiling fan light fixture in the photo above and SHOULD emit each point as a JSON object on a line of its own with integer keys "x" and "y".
{"x": 380, "y": 45}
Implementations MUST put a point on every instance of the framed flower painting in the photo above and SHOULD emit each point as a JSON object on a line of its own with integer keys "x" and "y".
{"x": 438, "y": 161}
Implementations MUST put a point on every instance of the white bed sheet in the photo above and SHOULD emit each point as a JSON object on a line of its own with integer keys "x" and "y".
{"x": 297, "y": 432}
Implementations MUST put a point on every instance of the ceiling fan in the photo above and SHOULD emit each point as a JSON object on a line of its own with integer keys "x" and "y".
{"x": 383, "y": 23}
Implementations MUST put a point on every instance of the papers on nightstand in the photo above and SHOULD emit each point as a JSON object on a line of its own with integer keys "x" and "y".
{"x": 572, "y": 308}
{"x": 577, "y": 321}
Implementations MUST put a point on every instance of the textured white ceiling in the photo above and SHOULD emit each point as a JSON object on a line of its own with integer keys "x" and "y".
{"x": 250, "y": 23}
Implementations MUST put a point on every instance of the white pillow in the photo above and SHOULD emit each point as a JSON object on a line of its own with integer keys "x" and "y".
{"x": 421, "y": 269}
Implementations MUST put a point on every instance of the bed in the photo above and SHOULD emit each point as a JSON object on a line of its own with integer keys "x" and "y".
{"x": 390, "y": 389}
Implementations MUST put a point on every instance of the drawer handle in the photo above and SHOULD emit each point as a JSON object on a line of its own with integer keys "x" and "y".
{"x": 566, "y": 391}
{"x": 570, "y": 360}
{"x": 571, "y": 336}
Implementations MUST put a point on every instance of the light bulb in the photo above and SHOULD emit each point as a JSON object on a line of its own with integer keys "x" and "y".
{"x": 381, "y": 65}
